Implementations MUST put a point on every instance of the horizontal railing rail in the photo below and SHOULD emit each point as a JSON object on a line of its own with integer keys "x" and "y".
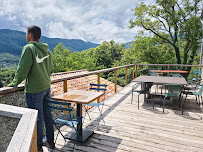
{"x": 6, "y": 90}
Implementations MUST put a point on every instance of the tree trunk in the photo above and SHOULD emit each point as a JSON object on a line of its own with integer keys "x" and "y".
{"x": 177, "y": 55}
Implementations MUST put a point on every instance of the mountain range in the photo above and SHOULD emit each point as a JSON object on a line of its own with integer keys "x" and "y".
{"x": 12, "y": 42}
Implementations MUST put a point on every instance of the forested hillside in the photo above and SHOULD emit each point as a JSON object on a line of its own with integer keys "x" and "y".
{"x": 12, "y": 42}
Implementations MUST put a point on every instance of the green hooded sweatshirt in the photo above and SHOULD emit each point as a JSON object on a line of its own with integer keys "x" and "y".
{"x": 35, "y": 67}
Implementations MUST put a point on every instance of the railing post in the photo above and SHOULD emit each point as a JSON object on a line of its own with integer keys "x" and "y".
{"x": 133, "y": 71}
{"x": 35, "y": 139}
{"x": 65, "y": 89}
{"x": 98, "y": 82}
{"x": 136, "y": 72}
{"x": 126, "y": 70}
{"x": 115, "y": 80}
{"x": 168, "y": 69}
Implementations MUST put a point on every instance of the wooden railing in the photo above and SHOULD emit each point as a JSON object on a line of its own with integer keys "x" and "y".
{"x": 64, "y": 79}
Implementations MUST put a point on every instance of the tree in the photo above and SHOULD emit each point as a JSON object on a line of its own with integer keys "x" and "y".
{"x": 175, "y": 22}
{"x": 59, "y": 58}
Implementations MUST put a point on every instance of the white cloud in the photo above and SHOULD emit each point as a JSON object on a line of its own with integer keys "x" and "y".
{"x": 89, "y": 20}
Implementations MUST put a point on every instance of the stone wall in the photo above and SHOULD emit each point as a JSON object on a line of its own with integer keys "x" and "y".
{"x": 14, "y": 99}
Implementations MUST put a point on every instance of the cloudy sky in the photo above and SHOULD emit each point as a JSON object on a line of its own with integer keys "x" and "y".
{"x": 90, "y": 20}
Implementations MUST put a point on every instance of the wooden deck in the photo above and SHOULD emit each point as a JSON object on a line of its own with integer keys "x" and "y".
{"x": 146, "y": 129}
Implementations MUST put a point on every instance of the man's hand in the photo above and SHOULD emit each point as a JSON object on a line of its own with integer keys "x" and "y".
{"x": 8, "y": 85}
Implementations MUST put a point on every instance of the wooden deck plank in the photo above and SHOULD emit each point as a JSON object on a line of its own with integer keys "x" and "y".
{"x": 146, "y": 129}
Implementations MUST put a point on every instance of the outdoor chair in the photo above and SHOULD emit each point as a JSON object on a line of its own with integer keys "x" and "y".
{"x": 145, "y": 89}
{"x": 197, "y": 94}
{"x": 195, "y": 76}
{"x": 157, "y": 75}
{"x": 154, "y": 74}
{"x": 97, "y": 87}
{"x": 174, "y": 90}
{"x": 65, "y": 119}
{"x": 177, "y": 75}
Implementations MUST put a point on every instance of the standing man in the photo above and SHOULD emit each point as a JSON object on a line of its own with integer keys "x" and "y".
{"x": 35, "y": 67}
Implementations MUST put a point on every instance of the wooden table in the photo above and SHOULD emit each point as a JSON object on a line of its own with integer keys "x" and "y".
{"x": 79, "y": 97}
{"x": 161, "y": 80}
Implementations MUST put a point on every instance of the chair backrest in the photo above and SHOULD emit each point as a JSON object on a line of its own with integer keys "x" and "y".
{"x": 154, "y": 74}
{"x": 146, "y": 86}
{"x": 58, "y": 105}
{"x": 196, "y": 73}
{"x": 174, "y": 90}
{"x": 176, "y": 75}
{"x": 99, "y": 87}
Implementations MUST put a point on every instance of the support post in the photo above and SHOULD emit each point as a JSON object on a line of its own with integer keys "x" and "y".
{"x": 34, "y": 140}
{"x": 115, "y": 80}
{"x": 126, "y": 70}
{"x": 168, "y": 72}
{"x": 136, "y": 72}
{"x": 133, "y": 72}
{"x": 98, "y": 82}
{"x": 65, "y": 89}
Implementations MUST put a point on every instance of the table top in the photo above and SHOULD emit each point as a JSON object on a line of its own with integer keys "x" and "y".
{"x": 79, "y": 96}
{"x": 166, "y": 71}
{"x": 161, "y": 80}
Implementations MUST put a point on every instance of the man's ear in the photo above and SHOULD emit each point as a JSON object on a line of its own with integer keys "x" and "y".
{"x": 31, "y": 37}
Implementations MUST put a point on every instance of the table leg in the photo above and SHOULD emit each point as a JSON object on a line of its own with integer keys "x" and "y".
{"x": 79, "y": 113}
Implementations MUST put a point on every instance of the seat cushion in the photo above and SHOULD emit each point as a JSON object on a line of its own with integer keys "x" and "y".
{"x": 67, "y": 120}
{"x": 93, "y": 104}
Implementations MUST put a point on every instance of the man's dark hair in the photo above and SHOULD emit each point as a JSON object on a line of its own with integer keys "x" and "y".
{"x": 35, "y": 30}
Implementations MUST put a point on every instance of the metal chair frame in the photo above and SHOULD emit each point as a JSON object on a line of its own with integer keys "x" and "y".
{"x": 65, "y": 119}
{"x": 197, "y": 94}
{"x": 174, "y": 90}
{"x": 98, "y": 87}
{"x": 145, "y": 89}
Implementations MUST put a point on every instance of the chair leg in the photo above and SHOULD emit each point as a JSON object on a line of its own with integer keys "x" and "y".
{"x": 196, "y": 99}
{"x": 201, "y": 100}
{"x": 101, "y": 117}
{"x": 86, "y": 112}
{"x": 58, "y": 128}
{"x": 152, "y": 101}
{"x": 164, "y": 104}
{"x": 138, "y": 100}
{"x": 182, "y": 105}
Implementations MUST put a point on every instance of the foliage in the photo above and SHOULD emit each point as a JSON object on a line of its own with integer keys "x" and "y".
{"x": 101, "y": 57}
{"x": 175, "y": 22}
{"x": 6, "y": 76}
{"x": 8, "y": 60}
{"x": 59, "y": 57}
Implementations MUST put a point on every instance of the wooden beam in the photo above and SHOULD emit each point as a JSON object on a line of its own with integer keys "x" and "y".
{"x": 115, "y": 81}
{"x": 65, "y": 89}
{"x": 98, "y": 82}
{"x": 168, "y": 69}
{"x": 133, "y": 72}
{"x": 126, "y": 76}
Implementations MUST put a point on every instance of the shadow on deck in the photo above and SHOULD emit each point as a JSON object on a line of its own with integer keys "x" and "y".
{"x": 146, "y": 129}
